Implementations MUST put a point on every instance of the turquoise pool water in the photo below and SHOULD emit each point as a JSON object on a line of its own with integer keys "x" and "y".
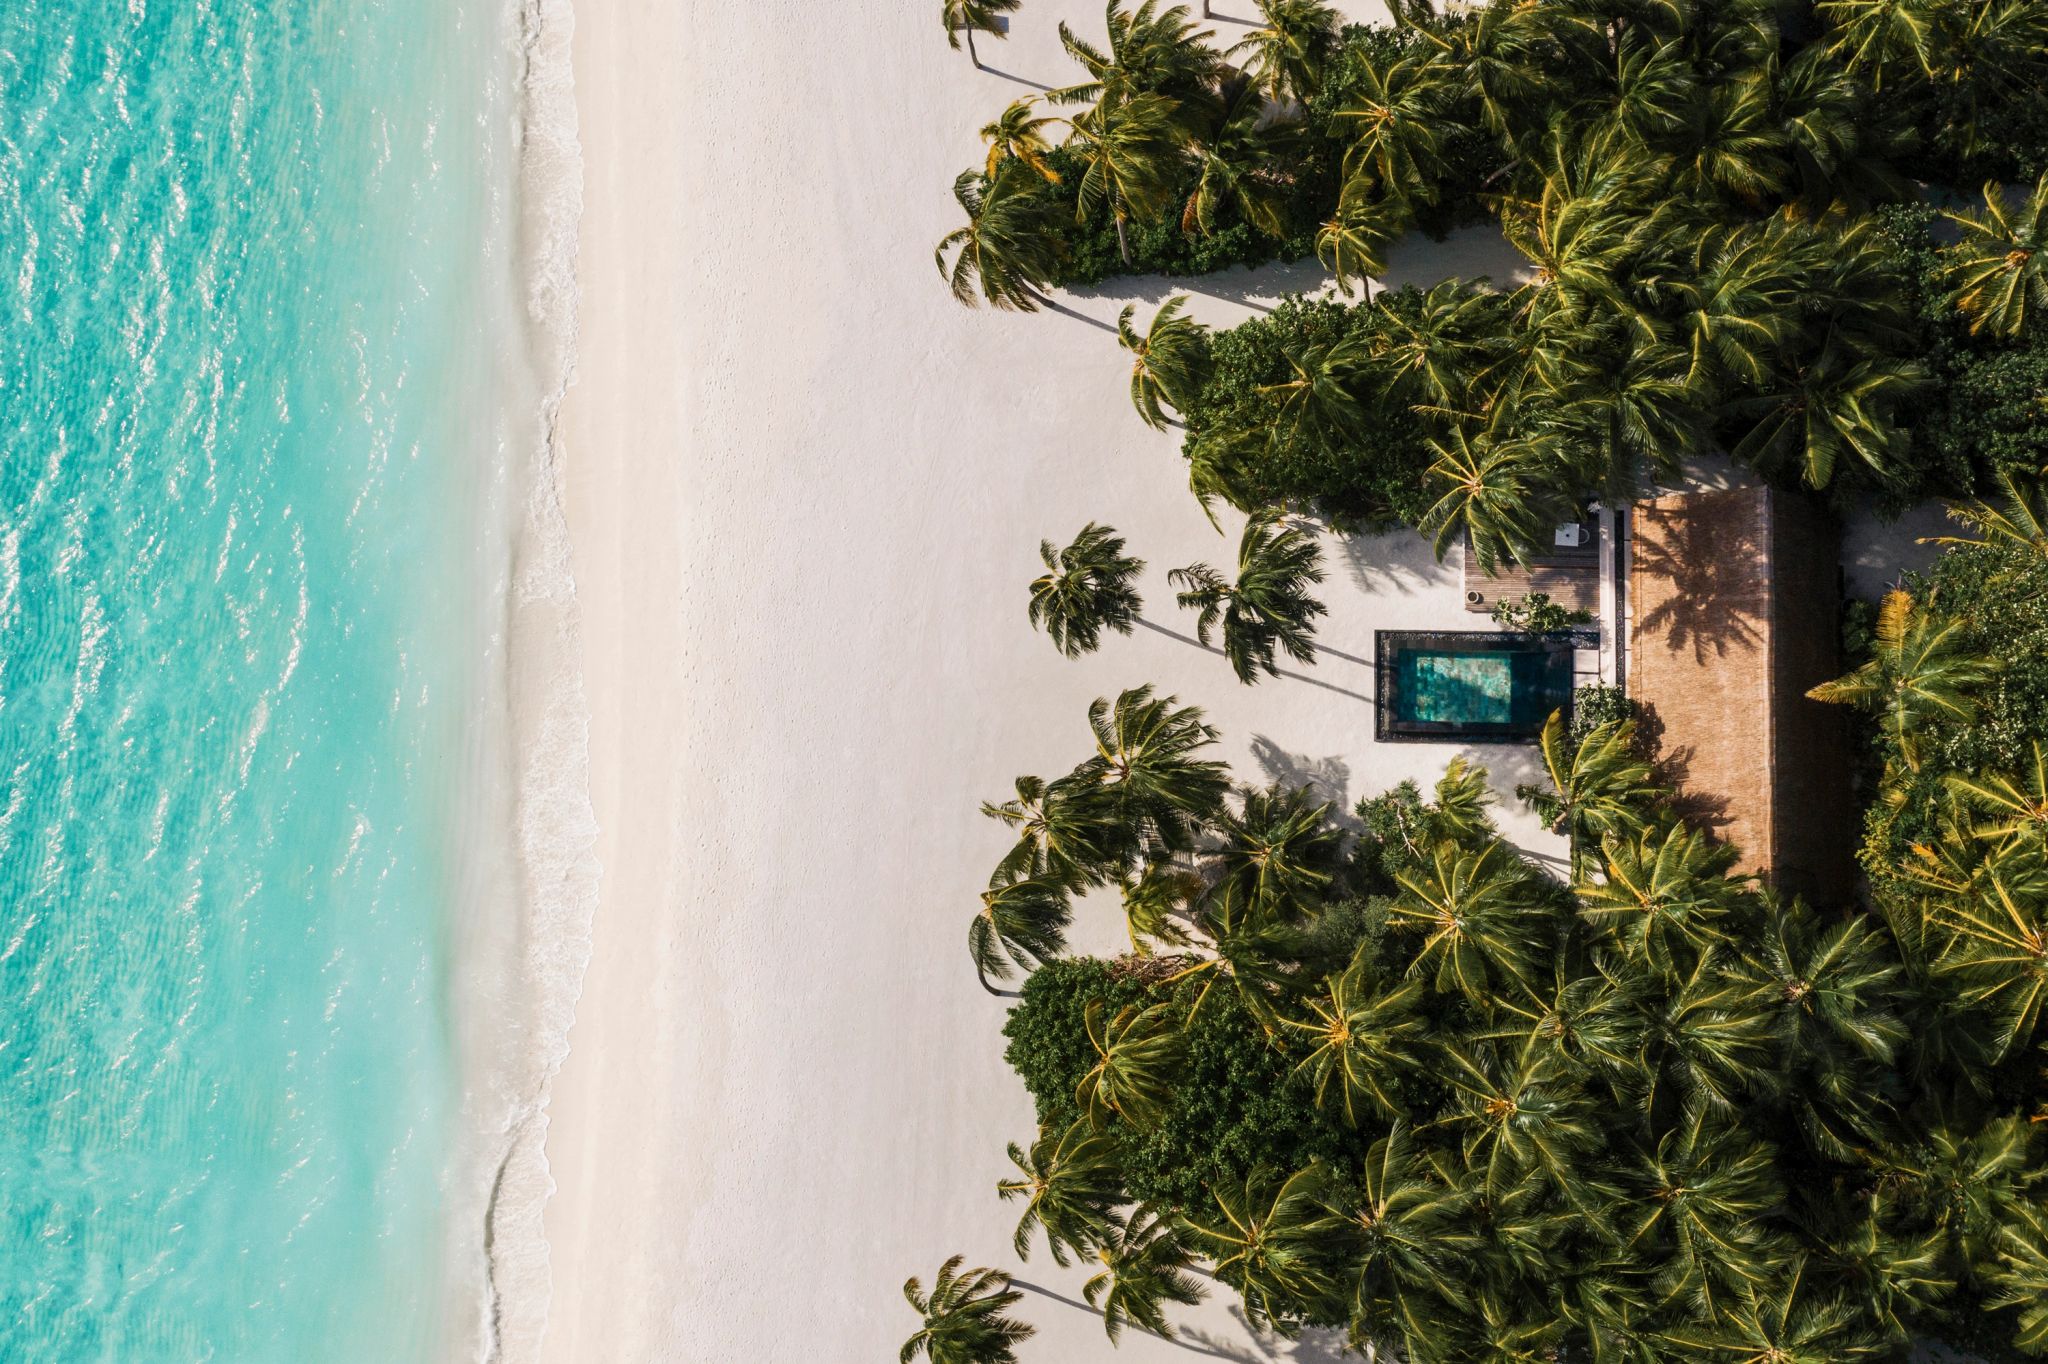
{"x": 248, "y": 454}
{"x": 1470, "y": 685}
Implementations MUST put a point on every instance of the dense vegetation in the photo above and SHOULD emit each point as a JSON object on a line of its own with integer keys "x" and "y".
{"x": 1718, "y": 203}
{"x": 1408, "y": 1084}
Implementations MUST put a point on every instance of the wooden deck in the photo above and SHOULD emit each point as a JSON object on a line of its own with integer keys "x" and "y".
{"x": 1571, "y": 577}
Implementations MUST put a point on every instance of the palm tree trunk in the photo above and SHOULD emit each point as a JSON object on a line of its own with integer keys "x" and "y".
{"x": 972, "y": 55}
{"x": 999, "y": 994}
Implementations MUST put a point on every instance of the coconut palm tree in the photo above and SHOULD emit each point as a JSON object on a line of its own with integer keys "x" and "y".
{"x": 965, "y": 1319}
{"x": 1353, "y": 246}
{"x": 1290, "y": 51}
{"x": 1521, "y": 1114}
{"x": 1136, "y": 1054}
{"x": 1442, "y": 345}
{"x": 1624, "y": 406}
{"x": 1085, "y": 589}
{"x": 1268, "y": 606}
{"x": 1150, "y": 51}
{"x": 1267, "y": 1236}
{"x": 1010, "y": 246}
{"x": 1148, "y": 786}
{"x": 2004, "y": 964}
{"x": 1059, "y": 838}
{"x": 1882, "y": 38}
{"x": 1018, "y": 135}
{"x": 1250, "y": 945}
{"x": 1403, "y": 1231}
{"x": 1399, "y": 122}
{"x": 1128, "y": 153}
{"x": 1070, "y": 1183}
{"x": 1919, "y": 671}
{"x": 1740, "y": 300}
{"x": 2014, "y": 810}
{"x": 1600, "y": 786}
{"x": 972, "y": 16}
{"x": 1478, "y": 916}
{"x": 1281, "y": 846}
{"x": 1144, "y": 1267}
{"x": 2020, "y": 1276}
{"x": 1023, "y": 921}
{"x": 2020, "y": 519}
{"x": 1998, "y": 272}
{"x": 1784, "y": 1321}
{"x": 1170, "y": 362}
{"x": 1244, "y": 160}
{"x": 1495, "y": 55}
{"x": 1735, "y": 148}
{"x": 1700, "y": 1202}
{"x": 1156, "y": 899}
{"x": 1365, "y": 1039}
{"x": 1663, "y": 894}
{"x": 1493, "y": 492}
{"x": 1812, "y": 416}
{"x": 1320, "y": 399}
{"x": 1708, "y": 1040}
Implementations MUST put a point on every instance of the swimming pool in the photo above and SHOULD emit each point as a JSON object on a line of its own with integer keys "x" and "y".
{"x": 1469, "y": 686}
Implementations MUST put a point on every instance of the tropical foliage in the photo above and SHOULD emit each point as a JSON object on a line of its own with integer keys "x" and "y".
{"x": 1409, "y": 1085}
{"x": 1085, "y": 589}
{"x": 1267, "y": 606}
{"x": 1716, "y": 204}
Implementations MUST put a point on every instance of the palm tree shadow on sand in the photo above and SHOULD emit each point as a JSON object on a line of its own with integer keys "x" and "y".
{"x": 1287, "y": 673}
{"x": 1265, "y": 1348}
{"x": 1080, "y": 1306}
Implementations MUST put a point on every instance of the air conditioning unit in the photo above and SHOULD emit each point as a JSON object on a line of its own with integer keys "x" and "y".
{"x": 1570, "y": 535}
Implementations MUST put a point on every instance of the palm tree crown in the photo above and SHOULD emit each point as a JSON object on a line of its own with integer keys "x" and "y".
{"x": 1268, "y": 606}
{"x": 965, "y": 1319}
{"x": 1085, "y": 589}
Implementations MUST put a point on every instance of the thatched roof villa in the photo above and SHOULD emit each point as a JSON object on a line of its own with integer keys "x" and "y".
{"x": 1732, "y": 608}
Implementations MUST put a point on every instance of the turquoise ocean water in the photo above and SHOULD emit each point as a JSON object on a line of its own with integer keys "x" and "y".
{"x": 253, "y": 460}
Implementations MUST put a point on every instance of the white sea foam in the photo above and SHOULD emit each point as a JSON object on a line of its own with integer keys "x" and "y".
{"x": 557, "y": 875}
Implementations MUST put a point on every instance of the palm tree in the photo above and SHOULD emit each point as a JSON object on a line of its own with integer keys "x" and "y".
{"x": 1070, "y": 1184}
{"x": 1404, "y": 1230}
{"x": 1244, "y": 161}
{"x": 1144, "y": 1267}
{"x": 1148, "y": 784}
{"x": 2020, "y": 1276}
{"x": 2021, "y": 520}
{"x": 1810, "y": 416}
{"x": 1701, "y": 1202}
{"x": 1267, "y": 606}
{"x": 1059, "y": 837}
{"x": 1018, "y": 135}
{"x": 1128, "y": 153}
{"x": 1784, "y": 1322}
{"x": 1281, "y": 846}
{"x": 1321, "y": 399}
{"x": 1626, "y": 405}
{"x": 2015, "y": 808}
{"x": 970, "y": 16}
{"x": 1400, "y": 122}
{"x": 1155, "y": 899}
{"x": 1171, "y": 360}
{"x": 1663, "y": 896}
{"x": 1023, "y": 921}
{"x": 1443, "y": 344}
{"x": 1600, "y": 786}
{"x": 1919, "y": 671}
{"x": 1353, "y": 246}
{"x": 1291, "y": 50}
{"x": 1150, "y": 51}
{"x": 1740, "y": 298}
{"x": 1521, "y": 1113}
{"x": 1734, "y": 148}
{"x": 1475, "y": 911}
{"x": 2004, "y": 964}
{"x": 1268, "y": 1238}
{"x": 1364, "y": 1040}
{"x": 1085, "y": 589}
{"x": 1493, "y": 495}
{"x": 1010, "y": 243}
{"x": 1882, "y": 37}
{"x": 964, "y": 1318}
{"x": 1135, "y": 1056}
{"x": 1708, "y": 1040}
{"x": 1998, "y": 272}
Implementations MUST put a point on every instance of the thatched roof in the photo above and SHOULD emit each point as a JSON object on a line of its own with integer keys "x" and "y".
{"x": 1735, "y": 598}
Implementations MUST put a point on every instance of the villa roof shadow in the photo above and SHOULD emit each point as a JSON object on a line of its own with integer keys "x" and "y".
{"x": 1735, "y": 596}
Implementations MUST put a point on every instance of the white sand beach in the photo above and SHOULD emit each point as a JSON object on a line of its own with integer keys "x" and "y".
{"x": 806, "y": 490}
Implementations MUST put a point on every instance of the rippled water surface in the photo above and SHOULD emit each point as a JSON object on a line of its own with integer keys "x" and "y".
{"x": 245, "y": 413}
